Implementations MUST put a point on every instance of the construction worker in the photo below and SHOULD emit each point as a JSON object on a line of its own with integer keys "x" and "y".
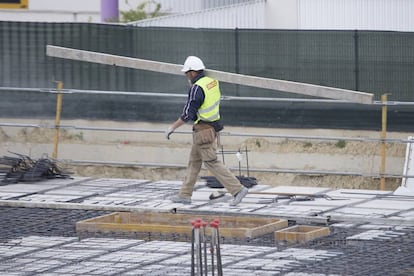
{"x": 202, "y": 107}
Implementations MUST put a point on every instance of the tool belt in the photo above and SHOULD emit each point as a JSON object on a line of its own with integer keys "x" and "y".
{"x": 203, "y": 134}
{"x": 201, "y": 126}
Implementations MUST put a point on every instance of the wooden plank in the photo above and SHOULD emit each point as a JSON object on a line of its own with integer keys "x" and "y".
{"x": 253, "y": 81}
{"x": 301, "y": 233}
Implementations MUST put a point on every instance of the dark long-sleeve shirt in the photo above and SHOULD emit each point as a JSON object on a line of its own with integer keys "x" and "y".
{"x": 194, "y": 100}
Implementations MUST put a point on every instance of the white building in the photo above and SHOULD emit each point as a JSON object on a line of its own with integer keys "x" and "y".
{"x": 388, "y": 15}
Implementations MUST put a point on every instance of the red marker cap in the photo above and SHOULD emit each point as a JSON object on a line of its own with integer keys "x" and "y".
{"x": 214, "y": 224}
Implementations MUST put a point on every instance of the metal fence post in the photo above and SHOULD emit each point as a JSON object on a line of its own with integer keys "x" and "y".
{"x": 57, "y": 120}
{"x": 383, "y": 137}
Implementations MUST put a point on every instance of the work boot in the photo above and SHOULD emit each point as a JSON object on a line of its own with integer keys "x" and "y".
{"x": 181, "y": 199}
{"x": 239, "y": 196}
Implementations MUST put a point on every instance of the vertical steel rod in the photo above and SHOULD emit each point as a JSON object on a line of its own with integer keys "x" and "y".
{"x": 212, "y": 245}
{"x": 215, "y": 226}
{"x": 247, "y": 162}
{"x": 192, "y": 249}
{"x": 204, "y": 225}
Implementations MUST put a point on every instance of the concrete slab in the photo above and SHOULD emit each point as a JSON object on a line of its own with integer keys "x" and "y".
{"x": 266, "y": 264}
{"x": 133, "y": 257}
{"x": 27, "y": 188}
{"x": 78, "y": 191}
{"x": 169, "y": 184}
{"x": 155, "y": 195}
{"x": 293, "y": 210}
{"x": 360, "y": 213}
{"x": 388, "y": 203}
{"x": 376, "y": 234}
{"x": 92, "y": 268}
{"x": 41, "y": 255}
{"x": 108, "y": 244}
{"x": 168, "y": 205}
{"x": 246, "y": 272}
{"x": 24, "y": 266}
{"x": 405, "y": 215}
{"x": 9, "y": 195}
{"x": 303, "y": 254}
{"x": 260, "y": 187}
{"x": 137, "y": 257}
{"x": 203, "y": 195}
{"x": 49, "y": 198}
{"x": 128, "y": 194}
{"x": 310, "y": 274}
{"x": 159, "y": 270}
{"x": 175, "y": 247}
{"x": 326, "y": 202}
{"x": 357, "y": 193}
{"x": 372, "y": 226}
{"x": 39, "y": 241}
{"x": 8, "y": 251}
{"x": 65, "y": 181}
{"x": 110, "y": 200}
{"x": 66, "y": 254}
{"x": 113, "y": 182}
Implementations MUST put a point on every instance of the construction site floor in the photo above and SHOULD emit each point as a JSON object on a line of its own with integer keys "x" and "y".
{"x": 371, "y": 232}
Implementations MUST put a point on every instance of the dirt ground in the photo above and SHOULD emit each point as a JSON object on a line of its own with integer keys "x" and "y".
{"x": 354, "y": 148}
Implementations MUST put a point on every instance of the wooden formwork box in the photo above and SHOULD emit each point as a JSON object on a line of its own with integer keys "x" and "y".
{"x": 301, "y": 233}
{"x": 230, "y": 226}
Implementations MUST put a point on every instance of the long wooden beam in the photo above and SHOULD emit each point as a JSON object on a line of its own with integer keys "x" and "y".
{"x": 169, "y": 68}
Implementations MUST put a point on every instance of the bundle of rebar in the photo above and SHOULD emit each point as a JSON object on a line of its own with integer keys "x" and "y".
{"x": 199, "y": 266}
{"x": 22, "y": 168}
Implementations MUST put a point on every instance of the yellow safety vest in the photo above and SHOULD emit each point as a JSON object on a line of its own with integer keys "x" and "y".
{"x": 209, "y": 110}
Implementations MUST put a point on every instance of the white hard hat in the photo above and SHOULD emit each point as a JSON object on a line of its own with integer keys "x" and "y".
{"x": 193, "y": 63}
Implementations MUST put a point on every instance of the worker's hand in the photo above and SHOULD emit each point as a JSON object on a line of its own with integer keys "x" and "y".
{"x": 168, "y": 132}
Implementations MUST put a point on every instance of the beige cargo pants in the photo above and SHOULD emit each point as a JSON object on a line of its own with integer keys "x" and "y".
{"x": 204, "y": 150}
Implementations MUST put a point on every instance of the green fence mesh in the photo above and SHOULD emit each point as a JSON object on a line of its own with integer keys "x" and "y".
{"x": 375, "y": 62}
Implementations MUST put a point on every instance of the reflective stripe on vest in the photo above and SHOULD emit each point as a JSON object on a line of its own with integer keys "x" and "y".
{"x": 209, "y": 111}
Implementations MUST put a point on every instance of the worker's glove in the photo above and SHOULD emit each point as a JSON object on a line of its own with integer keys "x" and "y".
{"x": 168, "y": 132}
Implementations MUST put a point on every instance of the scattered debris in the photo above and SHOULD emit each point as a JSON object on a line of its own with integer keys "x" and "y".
{"x": 212, "y": 182}
{"x": 24, "y": 169}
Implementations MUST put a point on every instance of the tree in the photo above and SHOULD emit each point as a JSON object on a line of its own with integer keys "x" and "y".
{"x": 139, "y": 13}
